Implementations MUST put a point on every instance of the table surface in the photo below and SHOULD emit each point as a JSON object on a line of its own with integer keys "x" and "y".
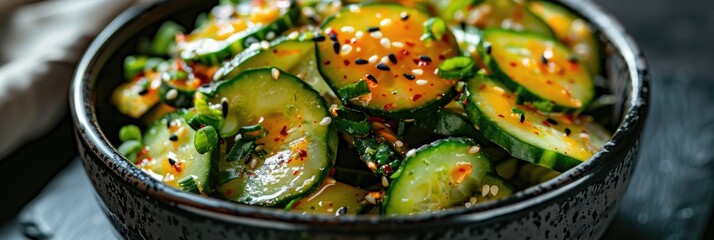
{"x": 671, "y": 195}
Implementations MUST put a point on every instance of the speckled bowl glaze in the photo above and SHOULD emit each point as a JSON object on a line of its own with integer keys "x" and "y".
{"x": 579, "y": 204}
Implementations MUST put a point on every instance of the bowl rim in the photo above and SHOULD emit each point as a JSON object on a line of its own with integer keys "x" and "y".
{"x": 88, "y": 130}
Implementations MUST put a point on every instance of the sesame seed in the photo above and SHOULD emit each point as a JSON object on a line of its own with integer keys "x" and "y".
{"x": 373, "y": 59}
{"x": 567, "y": 131}
{"x": 485, "y": 189}
{"x": 276, "y": 73}
{"x": 171, "y": 94}
{"x": 360, "y": 61}
{"x": 264, "y": 44}
{"x": 499, "y": 89}
{"x": 238, "y": 137}
{"x": 341, "y": 211}
{"x": 254, "y": 162}
{"x": 409, "y": 120}
{"x": 473, "y": 200}
{"x": 359, "y": 34}
{"x": 398, "y": 143}
{"x": 404, "y": 16}
{"x": 467, "y": 204}
{"x": 552, "y": 121}
{"x": 543, "y": 59}
{"x": 397, "y": 44}
{"x": 336, "y": 47}
{"x": 259, "y": 147}
{"x": 474, "y": 149}
{"x": 584, "y": 135}
{"x": 385, "y": 42}
{"x": 371, "y": 78}
{"x": 372, "y": 29}
{"x": 418, "y": 72}
{"x": 332, "y": 36}
{"x": 346, "y": 49}
{"x": 572, "y": 59}
{"x": 293, "y": 35}
{"x": 385, "y": 182}
{"x": 326, "y": 121}
{"x": 425, "y": 58}
{"x": 384, "y": 60}
{"x": 523, "y": 118}
{"x": 409, "y": 76}
{"x": 488, "y": 48}
{"x": 144, "y": 92}
{"x": 385, "y": 22}
{"x": 173, "y": 137}
{"x": 494, "y": 190}
{"x": 383, "y": 67}
{"x": 348, "y": 29}
{"x": 318, "y": 38}
{"x": 172, "y": 161}
{"x": 411, "y": 153}
{"x": 421, "y": 82}
{"x": 270, "y": 35}
{"x": 376, "y": 34}
{"x": 370, "y": 199}
{"x": 392, "y": 58}
{"x": 261, "y": 119}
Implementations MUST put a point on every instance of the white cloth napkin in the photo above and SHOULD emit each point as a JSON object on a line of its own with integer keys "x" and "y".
{"x": 40, "y": 44}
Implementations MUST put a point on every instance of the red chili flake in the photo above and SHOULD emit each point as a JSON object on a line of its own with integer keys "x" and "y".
{"x": 387, "y": 169}
{"x": 275, "y": 51}
{"x": 327, "y": 62}
{"x": 501, "y": 116}
{"x": 295, "y": 172}
{"x": 536, "y": 133}
{"x": 347, "y": 62}
{"x": 442, "y": 57}
{"x": 513, "y": 64}
{"x": 549, "y": 82}
{"x": 545, "y": 123}
{"x": 178, "y": 167}
{"x": 302, "y": 153}
{"x": 416, "y": 97}
{"x": 229, "y": 192}
{"x": 276, "y": 139}
{"x": 482, "y": 87}
{"x": 408, "y": 43}
{"x": 388, "y": 106}
{"x": 332, "y": 172}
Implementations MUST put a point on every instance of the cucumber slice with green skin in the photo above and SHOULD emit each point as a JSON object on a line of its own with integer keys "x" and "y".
{"x": 374, "y": 42}
{"x": 539, "y": 69}
{"x": 333, "y": 198}
{"x": 170, "y": 155}
{"x": 571, "y": 30}
{"x": 437, "y": 176}
{"x": 249, "y": 23}
{"x": 507, "y": 14}
{"x": 299, "y": 147}
{"x": 178, "y": 89}
{"x": 556, "y": 141}
{"x": 493, "y": 188}
{"x": 138, "y": 96}
{"x": 448, "y": 123}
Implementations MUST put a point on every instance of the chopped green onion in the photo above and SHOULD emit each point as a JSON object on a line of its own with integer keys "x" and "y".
{"x": 133, "y": 65}
{"x": 189, "y": 184}
{"x": 241, "y": 150}
{"x": 174, "y": 75}
{"x": 253, "y": 131}
{"x": 350, "y": 122}
{"x": 434, "y": 29}
{"x": 544, "y": 106}
{"x": 130, "y": 147}
{"x": 130, "y": 132}
{"x": 291, "y": 204}
{"x": 457, "y": 67}
{"x": 206, "y": 139}
{"x": 200, "y": 120}
{"x": 165, "y": 38}
{"x": 353, "y": 90}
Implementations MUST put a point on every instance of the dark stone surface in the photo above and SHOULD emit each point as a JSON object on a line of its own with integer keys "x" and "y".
{"x": 671, "y": 195}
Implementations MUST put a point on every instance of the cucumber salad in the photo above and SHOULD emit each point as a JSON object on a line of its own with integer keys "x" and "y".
{"x": 365, "y": 107}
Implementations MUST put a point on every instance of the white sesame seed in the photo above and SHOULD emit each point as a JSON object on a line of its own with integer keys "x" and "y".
{"x": 373, "y": 59}
{"x": 359, "y": 34}
{"x": 385, "y": 182}
{"x": 385, "y": 42}
{"x": 384, "y": 60}
{"x": 346, "y": 49}
{"x": 253, "y": 162}
{"x": 484, "y": 190}
{"x": 411, "y": 153}
{"x": 264, "y": 44}
{"x": 354, "y": 8}
{"x": 276, "y": 74}
{"x": 474, "y": 149}
{"x": 326, "y": 121}
{"x": 467, "y": 204}
{"x": 254, "y": 45}
{"x": 347, "y": 29}
{"x": 376, "y": 34}
{"x": 418, "y": 71}
{"x": 494, "y": 190}
{"x": 397, "y": 44}
{"x": 270, "y": 35}
{"x": 358, "y": 49}
{"x": 473, "y": 200}
{"x": 328, "y": 31}
{"x": 370, "y": 199}
{"x": 259, "y": 147}
{"x": 331, "y": 181}
{"x": 385, "y": 22}
{"x": 171, "y": 94}
{"x": 261, "y": 120}
{"x": 238, "y": 137}
{"x": 293, "y": 35}
{"x": 399, "y": 143}
{"x": 499, "y": 89}
{"x": 409, "y": 120}
{"x": 436, "y": 71}
{"x": 584, "y": 135}
{"x": 421, "y": 82}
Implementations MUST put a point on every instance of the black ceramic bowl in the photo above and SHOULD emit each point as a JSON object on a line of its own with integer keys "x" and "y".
{"x": 580, "y": 203}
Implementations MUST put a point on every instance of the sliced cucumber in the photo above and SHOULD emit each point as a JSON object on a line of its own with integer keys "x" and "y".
{"x": 507, "y": 14}
{"x": 248, "y": 23}
{"x": 138, "y": 96}
{"x": 556, "y": 141}
{"x": 437, "y": 176}
{"x": 447, "y": 123}
{"x": 298, "y": 150}
{"x": 539, "y": 69}
{"x": 334, "y": 198}
{"x": 178, "y": 88}
{"x": 375, "y": 43}
{"x": 171, "y": 156}
{"x": 572, "y": 30}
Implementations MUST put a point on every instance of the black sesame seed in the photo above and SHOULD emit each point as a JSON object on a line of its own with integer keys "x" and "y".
{"x": 224, "y": 108}
{"x": 172, "y": 161}
{"x": 383, "y": 67}
{"x": 372, "y": 29}
{"x": 425, "y": 58}
{"x": 462, "y": 25}
{"x": 332, "y": 36}
{"x": 318, "y": 38}
{"x": 404, "y": 16}
{"x": 336, "y": 47}
{"x": 409, "y": 76}
{"x": 341, "y": 211}
{"x": 567, "y": 131}
{"x": 523, "y": 118}
{"x": 173, "y": 138}
{"x": 371, "y": 78}
{"x": 572, "y": 59}
{"x": 360, "y": 61}
{"x": 543, "y": 59}
{"x": 392, "y": 58}
{"x": 248, "y": 158}
{"x": 488, "y": 48}
{"x": 168, "y": 122}
{"x": 552, "y": 121}
{"x": 144, "y": 92}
